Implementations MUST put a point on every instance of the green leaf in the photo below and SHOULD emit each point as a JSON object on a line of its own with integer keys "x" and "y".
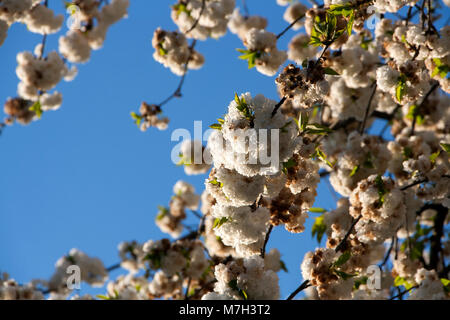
{"x": 360, "y": 281}
{"x": 446, "y": 147}
{"x": 303, "y": 120}
{"x": 163, "y": 211}
{"x": 413, "y": 112}
{"x": 216, "y": 126}
{"x": 400, "y": 89}
{"x": 354, "y": 170}
{"x": 233, "y": 285}
{"x": 284, "y": 128}
{"x": 137, "y": 118}
{"x": 368, "y": 162}
{"x": 216, "y": 183}
{"x": 319, "y": 127}
{"x": 288, "y": 164}
{"x": 381, "y": 189}
{"x": 319, "y": 154}
{"x": 317, "y": 210}
{"x": 440, "y": 68}
{"x": 181, "y": 7}
{"x": 318, "y": 228}
{"x": 37, "y": 108}
{"x": 341, "y": 9}
{"x": 218, "y": 222}
{"x": 103, "y": 297}
{"x": 343, "y": 258}
{"x": 343, "y": 274}
{"x": 434, "y": 156}
{"x": 350, "y": 21}
{"x": 243, "y": 107}
{"x": 162, "y": 51}
{"x": 400, "y": 281}
{"x": 330, "y": 72}
{"x": 407, "y": 153}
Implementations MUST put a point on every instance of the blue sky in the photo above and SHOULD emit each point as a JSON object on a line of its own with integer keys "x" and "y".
{"x": 85, "y": 177}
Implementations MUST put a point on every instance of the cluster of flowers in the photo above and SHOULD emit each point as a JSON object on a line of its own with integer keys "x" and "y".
{"x": 201, "y": 19}
{"x": 40, "y": 74}
{"x": 33, "y": 13}
{"x": 170, "y": 219}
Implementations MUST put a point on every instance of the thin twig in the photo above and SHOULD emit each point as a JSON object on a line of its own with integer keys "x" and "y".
{"x": 402, "y": 293}
{"x": 113, "y": 267}
{"x": 278, "y": 105}
{"x": 302, "y": 287}
{"x": 412, "y": 184}
{"x": 421, "y": 104}
{"x": 177, "y": 92}
{"x": 388, "y": 253}
{"x": 198, "y": 19}
{"x": 321, "y": 55}
{"x": 263, "y": 249}
{"x": 344, "y": 240}
{"x": 246, "y": 12}
{"x": 366, "y": 114}
{"x": 289, "y": 27}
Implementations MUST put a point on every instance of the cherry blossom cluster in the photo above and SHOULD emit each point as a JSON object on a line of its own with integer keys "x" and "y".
{"x": 38, "y": 73}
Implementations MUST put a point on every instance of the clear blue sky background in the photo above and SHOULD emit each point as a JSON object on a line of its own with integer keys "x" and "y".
{"x": 86, "y": 177}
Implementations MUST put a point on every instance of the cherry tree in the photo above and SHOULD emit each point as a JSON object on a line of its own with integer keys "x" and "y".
{"x": 349, "y": 63}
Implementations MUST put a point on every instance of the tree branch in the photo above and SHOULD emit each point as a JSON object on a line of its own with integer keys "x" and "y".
{"x": 342, "y": 244}
{"x": 366, "y": 114}
{"x": 263, "y": 249}
{"x": 421, "y": 104}
{"x": 302, "y": 287}
{"x": 289, "y": 27}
